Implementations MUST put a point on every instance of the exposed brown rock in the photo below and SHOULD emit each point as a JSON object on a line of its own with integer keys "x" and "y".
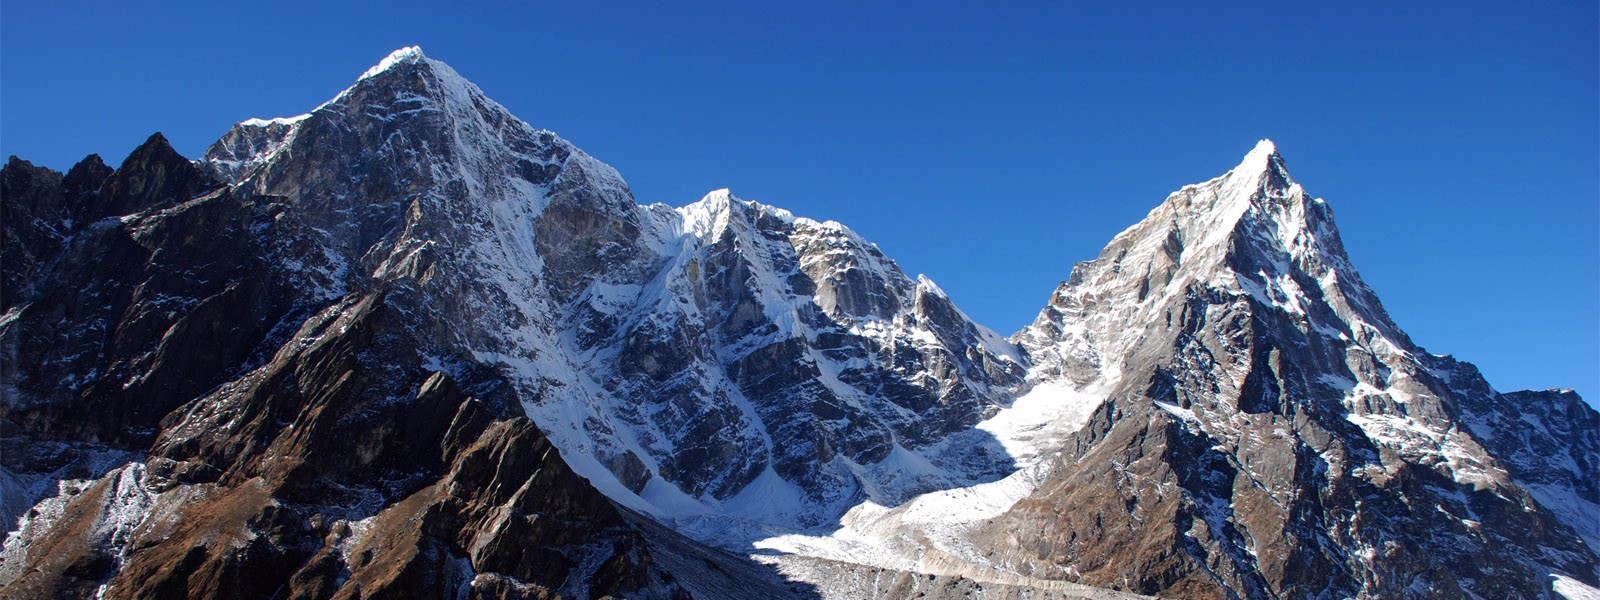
{"x": 248, "y": 485}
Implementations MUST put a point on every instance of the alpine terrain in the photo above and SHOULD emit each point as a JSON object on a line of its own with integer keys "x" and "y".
{"x": 408, "y": 346}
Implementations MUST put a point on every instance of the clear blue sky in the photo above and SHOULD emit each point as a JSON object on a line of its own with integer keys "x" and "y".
{"x": 987, "y": 146}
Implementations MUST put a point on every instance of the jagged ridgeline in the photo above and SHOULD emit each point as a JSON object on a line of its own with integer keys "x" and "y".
{"x": 407, "y": 345}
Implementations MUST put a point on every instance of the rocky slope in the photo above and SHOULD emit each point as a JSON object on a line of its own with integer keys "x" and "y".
{"x": 407, "y": 344}
{"x": 190, "y": 427}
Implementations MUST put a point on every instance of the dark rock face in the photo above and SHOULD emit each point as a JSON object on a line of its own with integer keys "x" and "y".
{"x": 1546, "y": 440}
{"x": 35, "y": 223}
{"x": 154, "y": 176}
{"x": 111, "y": 327}
{"x": 344, "y": 468}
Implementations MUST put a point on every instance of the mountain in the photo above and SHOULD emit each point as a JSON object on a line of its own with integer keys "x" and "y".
{"x": 407, "y": 344}
{"x": 1218, "y": 406}
{"x": 1267, "y": 419}
{"x": 664, "y": 350}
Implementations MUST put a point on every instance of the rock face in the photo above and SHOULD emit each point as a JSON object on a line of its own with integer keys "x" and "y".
{"x": 105, "y": 309}
{"x": 314, "y": 476}
{"x": 408, "y": 345}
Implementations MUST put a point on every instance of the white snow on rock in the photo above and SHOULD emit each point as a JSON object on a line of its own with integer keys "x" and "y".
{"x": 274, "y": 121}
{"x": 1572, "y": 589}
{"x": 407, "y": 54}
{"x": 927, "y": 534}
{"x": 121, "y": 505}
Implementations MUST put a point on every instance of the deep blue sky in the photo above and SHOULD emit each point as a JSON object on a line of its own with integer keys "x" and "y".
{"x": 987, "y": 146}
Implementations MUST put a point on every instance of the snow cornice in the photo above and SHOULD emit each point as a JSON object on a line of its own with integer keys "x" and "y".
{"x": 406, "y": 55}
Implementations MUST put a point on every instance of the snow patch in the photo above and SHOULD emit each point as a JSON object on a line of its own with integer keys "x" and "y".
{"x": 1185, "y": 414}
{"x": 1037, "y": 421}
{"x": 257, "y": 122}
{"x": 1572, "y": 589}
{"x": 918, "y": 534}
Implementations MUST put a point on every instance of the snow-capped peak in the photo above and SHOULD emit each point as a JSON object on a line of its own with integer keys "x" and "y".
{"x": 718, "y": 199}
{"x": 1263, "y": 151}
{"x": 450, "y": 84}
{"x": 1225, "y": 232}
{"x": 1262, "y": 172}
{"x": 454, "y": 123}
{"x": 702, "y": 218}
{"x": 408, "y": 54}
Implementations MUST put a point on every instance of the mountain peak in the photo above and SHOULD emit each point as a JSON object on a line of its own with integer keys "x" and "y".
{"x": 156, "y": 149}
{"x": 1262, "y": 170}
{"x": 1264, "y": 150}
{"x": 1227, "y": 232}
{"x": 442, "y": 116}
{"x": 408, "y": 68}
{"x": 1256, "y": 193}
{"x": 406, "y": 55}
{"x": 409, "y": 55}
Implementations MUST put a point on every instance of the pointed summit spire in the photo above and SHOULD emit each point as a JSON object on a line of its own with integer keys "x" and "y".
{"x": 1230, "y": 232}
{"x": 1264, "y": 166}
{"x": 1264, "y": 148}
{"x": 1260, "y": 159}
{"x": 411, "y": 70}
{"x": 405, "y": 90}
